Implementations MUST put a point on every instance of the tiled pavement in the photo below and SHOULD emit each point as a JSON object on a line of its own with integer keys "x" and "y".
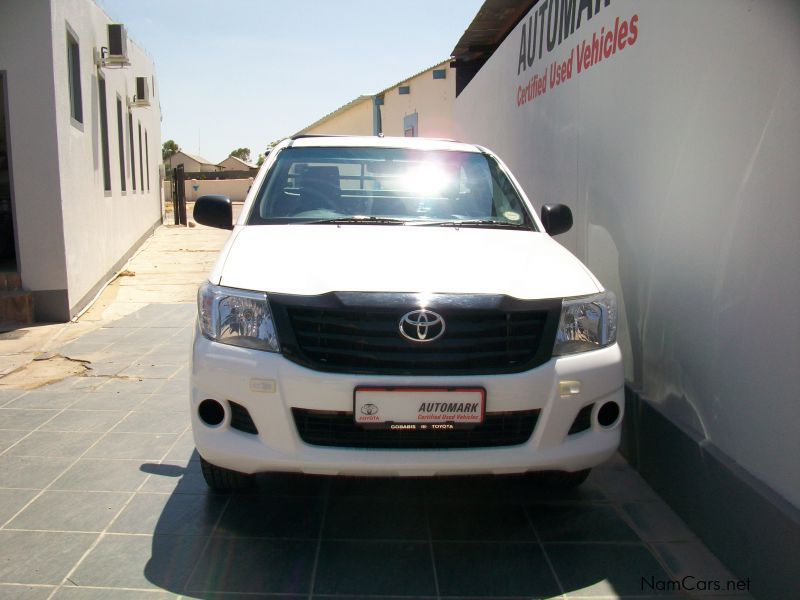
{"x": 101, "y": 496}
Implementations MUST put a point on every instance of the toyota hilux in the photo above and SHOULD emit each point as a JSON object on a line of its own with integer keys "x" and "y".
{"x": 396, "y": 307}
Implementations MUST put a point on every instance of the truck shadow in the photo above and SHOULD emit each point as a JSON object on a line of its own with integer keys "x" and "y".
{"x": 299, "y": 535}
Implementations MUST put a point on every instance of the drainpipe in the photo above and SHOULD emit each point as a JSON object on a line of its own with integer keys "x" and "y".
{"x": 377, "y": 125}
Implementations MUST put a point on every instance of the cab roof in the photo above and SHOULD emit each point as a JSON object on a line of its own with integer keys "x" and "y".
{"x": 369, "y": 141}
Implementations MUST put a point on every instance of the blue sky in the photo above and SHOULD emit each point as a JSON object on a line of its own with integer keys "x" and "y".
{"x": 248, "y": 72}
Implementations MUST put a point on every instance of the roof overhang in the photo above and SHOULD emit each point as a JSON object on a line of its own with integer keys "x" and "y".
{"x": 492, "y": 24}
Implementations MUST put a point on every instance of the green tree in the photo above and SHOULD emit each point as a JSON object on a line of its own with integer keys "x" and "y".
{"x": 260, "y": 161}
{"x": 241, "y": 154}
{"x": 169, "y": 148}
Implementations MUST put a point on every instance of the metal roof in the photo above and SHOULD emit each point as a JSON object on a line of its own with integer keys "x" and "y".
{"x": 494, "y": 21}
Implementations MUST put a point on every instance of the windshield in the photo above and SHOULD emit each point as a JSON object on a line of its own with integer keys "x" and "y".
{"x": 388, "y": 186}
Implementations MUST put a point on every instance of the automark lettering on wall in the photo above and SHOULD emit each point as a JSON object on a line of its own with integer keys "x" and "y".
{"x": 548, "y": 26}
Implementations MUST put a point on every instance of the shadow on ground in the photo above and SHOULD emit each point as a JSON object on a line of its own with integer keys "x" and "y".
{"x": 476, "y": 537}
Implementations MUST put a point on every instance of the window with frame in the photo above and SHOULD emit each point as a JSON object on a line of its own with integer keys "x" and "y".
{"x": 147, "y": 158}
{"x": 133, "y": 151}
{"x": 101, "y": 92}
{"x": 74, "y": 73}
{"x": 141, "y": 160}
{"x": 121, "y": 144}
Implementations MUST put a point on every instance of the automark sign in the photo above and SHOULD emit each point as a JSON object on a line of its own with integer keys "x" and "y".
{"x": 551, "y": 24}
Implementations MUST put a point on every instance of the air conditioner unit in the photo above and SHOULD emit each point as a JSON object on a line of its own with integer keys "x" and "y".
{"x": 142, "y": 97}
{"x": 117, "y": 54}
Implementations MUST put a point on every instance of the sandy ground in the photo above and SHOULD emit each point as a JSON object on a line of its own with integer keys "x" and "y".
{"x": 166, "y": 269}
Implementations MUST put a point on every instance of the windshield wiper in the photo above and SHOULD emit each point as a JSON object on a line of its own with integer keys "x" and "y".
{"x": 478, "y": 223}
{"x": 358, "y": 220}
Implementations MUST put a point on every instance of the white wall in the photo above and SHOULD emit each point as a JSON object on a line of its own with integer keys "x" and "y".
{"x": 235, "y": 189}
{"x": 679, "y": 156}
{"x": 26, "y": 55}
{"x": 100, "y": 227}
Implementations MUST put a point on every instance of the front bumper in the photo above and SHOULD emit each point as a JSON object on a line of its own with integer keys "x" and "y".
{"x": 269, "y": 386}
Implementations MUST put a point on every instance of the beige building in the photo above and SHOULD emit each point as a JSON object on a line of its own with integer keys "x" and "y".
{"x": 233, "y": 163}
{"x": 192, "y": 163}
{"x": 421, "y": 105}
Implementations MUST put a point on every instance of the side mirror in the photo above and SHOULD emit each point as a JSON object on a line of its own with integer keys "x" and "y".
{"x": 556, "y": 218}
{"x": 214, "y": 211}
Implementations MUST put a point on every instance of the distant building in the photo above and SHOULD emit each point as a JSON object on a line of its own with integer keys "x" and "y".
{"x": 192, "y": 163}
{"x": 80, "y": 143}
{"x": 420, "y": 105}
{"x": 233, "y": 163}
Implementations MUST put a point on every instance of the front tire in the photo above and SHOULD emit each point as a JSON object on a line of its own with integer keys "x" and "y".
{"x": 224, "y": 480}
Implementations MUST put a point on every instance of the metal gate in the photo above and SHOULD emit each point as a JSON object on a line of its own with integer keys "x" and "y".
{"x": 179, "y": 195}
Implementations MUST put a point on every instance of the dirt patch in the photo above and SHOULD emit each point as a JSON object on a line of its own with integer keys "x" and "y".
{"x": 46, "y": 369}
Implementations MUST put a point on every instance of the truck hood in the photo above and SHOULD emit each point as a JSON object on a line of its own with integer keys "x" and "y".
{"x": 315, "y": 259}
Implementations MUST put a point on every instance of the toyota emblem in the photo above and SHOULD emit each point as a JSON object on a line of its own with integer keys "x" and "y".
{"x": 421, "y": 326}
{"x": 369, "y": 409}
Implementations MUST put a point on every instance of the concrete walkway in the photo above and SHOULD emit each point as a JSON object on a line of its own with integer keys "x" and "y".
{"x": 166, "y": 269}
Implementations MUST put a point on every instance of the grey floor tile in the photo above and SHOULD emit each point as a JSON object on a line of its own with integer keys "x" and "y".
{"x": 176, "y": 387}
{"x": 379, "y": 487}
{"x": 180, "y": 514}
{"x": 30, "y": 471}
{"x": 621, "y": 484}
{"x": 46, "y": 399}
{"x": 365, "y": 518}
{"x": 22, "y": 419}
{"x": 580, "y": 523}
{"x": 70, "y": 511}
{"x": 140, "y": 561}
{"x": 605, "y": 569}
{"x": 63, "y": 444}
{"x": 9, "y": 437}
{"x": 184, "y": 450}
{"x": 175, "y": 478}
{"x": 108, "y": 401}
{"x": 144, "y": 446}
{"x": 372, "y": 567}
{"x": 7, "y": 395}
{"x": 656, "y": 522}
{"x": 24, "y": 592}
{"x": 288, "y": 484}
{"x": 264, "y": 515}
{"x": 102, "y": 475}
{"x": 84, "y": 420}
{"x": 254, "y": 566}
{"x": 153, "y": 422}
{"x": 79, "y": 593}
{"x": 692, "y": 559}
{"x": 474, "y": 569}
{"x": 166, "y": 402}
{"x": 40, "y": 557}
{"x": 478, "y": 521}
{"x": 131, "y": 386}
{"x": 11, "y": 501}
{"x": 150, "y": 371}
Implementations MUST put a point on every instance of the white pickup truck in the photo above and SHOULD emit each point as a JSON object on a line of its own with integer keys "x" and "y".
{"x": 396, "y": 307}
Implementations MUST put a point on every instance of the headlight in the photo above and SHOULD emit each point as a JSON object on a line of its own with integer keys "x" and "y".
{"x": 586, "y": 323}
{"x": 236, "y": 317}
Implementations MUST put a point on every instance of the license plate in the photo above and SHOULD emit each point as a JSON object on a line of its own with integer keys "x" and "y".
{"x": 396, "y": 406}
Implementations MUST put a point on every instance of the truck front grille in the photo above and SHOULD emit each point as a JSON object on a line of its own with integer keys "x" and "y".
{"x": 338, "y": 429}
{"x": 366, "y": 338}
